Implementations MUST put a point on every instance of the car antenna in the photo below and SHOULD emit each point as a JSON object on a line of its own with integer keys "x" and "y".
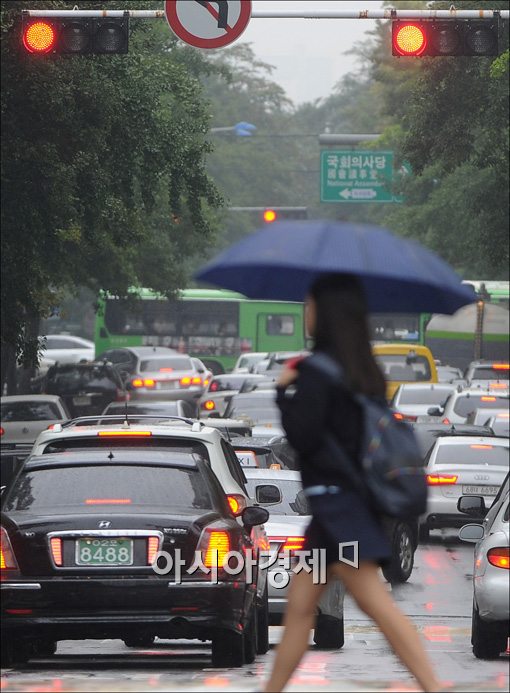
{"x": 126, "y": 420}
{"x": 111, "y": 456}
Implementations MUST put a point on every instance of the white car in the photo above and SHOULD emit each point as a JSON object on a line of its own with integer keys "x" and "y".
{"x": 288, "y": 518}
{"x": 415, "y": 399}
{"x": 461, "y": 404}
{"x": 491, "y": 596}
{"x": 23, "y": 417}
{"x": 67, "y": 348}
{"x": 459, "y": 466}
{"x": 247, "y": 361}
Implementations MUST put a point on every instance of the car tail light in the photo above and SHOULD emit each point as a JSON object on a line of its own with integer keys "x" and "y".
{"x": 7, "y": 557}
{"x": 397, "y": 415}
{"x": 185, "y": 381}
{"x": 120, "y": 434}
{"x": 214, "y": 387}
{"x": 206, "y": 383}
{"x": 501, "y": 366}
{"x": 152, "y": 549}
{"x": 107, "y": 501}
{"x": 446, "y": 421}
{"x": 137, "y": 382}
{"x": 481, "y": 447}
{"x": 237, "y": 503}
{"x": 56, "y": 550}
{"x": 441, "y": 479}
{"x": 166, "y": 370}
{"x": 498, "y": 386}
{"x": 499, "y": 557}
{"x": 149, "y": 382}
{"x": 218, "y": 546}
{"x": 209, "y": 405}
{"x": 196, "y": 380}
{"x": 488, "y": 399}
{"x": 19, "y": 612}
{"x": 2, "y": 430}
{"x": 289, "y": 544}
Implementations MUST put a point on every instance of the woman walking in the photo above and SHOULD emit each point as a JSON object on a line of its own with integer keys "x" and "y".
{"x": 336, "y": 317}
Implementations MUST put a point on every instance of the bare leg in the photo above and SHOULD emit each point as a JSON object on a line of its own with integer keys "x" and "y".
{"x": 298, "y": 621}
{"x": 373, "y": 598}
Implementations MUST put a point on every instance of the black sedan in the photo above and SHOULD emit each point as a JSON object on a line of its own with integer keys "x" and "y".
{"x": 81, "y": 535}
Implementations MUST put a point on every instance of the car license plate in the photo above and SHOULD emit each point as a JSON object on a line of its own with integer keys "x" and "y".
{"x": 166, "y": 385}
{"x": 480, "y": 490}
{"x": 82, "y": 400}
{"x": 102, "y": 551}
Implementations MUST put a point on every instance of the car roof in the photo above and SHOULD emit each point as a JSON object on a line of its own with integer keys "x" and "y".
{"x": 276, "y": 474}
{"x": 473, "y": 440}
{"x": 121, "y": 456}
{"x": 452, "y": 429}
{"x": 147, "y": 350}
{"x": 259, "y": 393}
{"x": 427, "y": 386}
{"x": 29, "y": 398}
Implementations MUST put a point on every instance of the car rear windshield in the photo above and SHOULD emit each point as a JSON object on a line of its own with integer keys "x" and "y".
{"x": 464, "y": 406}
{"x": 87, "y": 443}
{"x": 179, "y": 363}
{"x": 424, "y": 396}
{"x": 119, "y": 488}
{"x": 70, "y": 380}
{"x": 257, "y": 411}
{"x": 473, "y": 453}
{"x": 289, "y": 488}
{"x": 402, "y": 367}
{"x": 490, "y": 373}
{"x": 29, "y": 411}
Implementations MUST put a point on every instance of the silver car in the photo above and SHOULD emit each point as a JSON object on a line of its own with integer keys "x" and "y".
{"x": 491, "y": 597}
{"x": 460, "y": 405}
{"x": 23, "y": 417}
{"x": 289, "y": 517}
{"x": 415, "y": 399}
{"x": 457, "y": 466}
{"x": 166, "y": 377}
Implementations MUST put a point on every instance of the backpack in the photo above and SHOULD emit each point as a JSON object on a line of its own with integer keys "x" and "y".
{"x": 392, "y": 479}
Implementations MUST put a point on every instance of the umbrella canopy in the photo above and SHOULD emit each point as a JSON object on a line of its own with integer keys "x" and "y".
{"x": 281, "y": 261}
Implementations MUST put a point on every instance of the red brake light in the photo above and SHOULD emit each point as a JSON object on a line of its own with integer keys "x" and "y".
{"x": 269, "y": 216}
{"x": 441, "y": 479}
{"x": 409, "y": 39}
{"x": 39, "y": 37}
{"x": 499, "y": 557}
{"x": 2, "y": 430}
{"x": 107, "y": 501}
{"x": 498, "y": 386}
{"x": 237, "y": 503}
{"x": 196, "y": 381}
{"x": 166, "y": 370}
{"x": 290, "y": 544}
{"x": 185, "y": 381}
{"x": 217, "y": 548}
{"x": 488, "y": 399}
{"x": 481, "y": 447}
{"x": 501, "y": 366}
{"x": 137, "y": 382}
{"x": 7, "y": 558}
{"x": 214, "y": 386}
{"x": 149, "y": 382}
{"x": 397, "y": 415}
{"x": 56, "y": 550}
{"x": 206, "y": 383}
{"x": 209, "y": 405}
{"x": 446, "y": 421}
{"x": 119, "y": 434}
{"x": 152, "y": 549}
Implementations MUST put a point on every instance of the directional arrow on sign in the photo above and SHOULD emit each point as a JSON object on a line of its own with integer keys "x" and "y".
{"x": 345, "y": 193}
{"x": 358, "y": 193}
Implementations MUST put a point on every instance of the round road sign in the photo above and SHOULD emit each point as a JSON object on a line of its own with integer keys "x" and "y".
{"x": 208, "y": 24}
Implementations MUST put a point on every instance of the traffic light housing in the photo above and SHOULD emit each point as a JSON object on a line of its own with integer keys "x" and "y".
{"x": 271, "y": 214}
{"x": 75, "y": 35}
{"x": 447, "y": 37}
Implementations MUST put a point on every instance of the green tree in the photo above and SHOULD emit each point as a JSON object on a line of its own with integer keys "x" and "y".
{"x": 103, "y": 171}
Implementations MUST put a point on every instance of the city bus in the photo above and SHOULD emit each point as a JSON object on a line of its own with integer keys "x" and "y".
{"x": 214, "y": 325}
{"x": 497, "y": 292}
{"x": 217, "y": 325}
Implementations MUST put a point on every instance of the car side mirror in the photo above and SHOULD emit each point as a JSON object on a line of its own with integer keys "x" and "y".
{"x": 474, "y": 506}
{"x": 471, "y": 533}
{"x": 434, "y": 411}
{"x": 252, "y": 516}
{"x": 300, "y": 504}
{"x": 268, "y": 494}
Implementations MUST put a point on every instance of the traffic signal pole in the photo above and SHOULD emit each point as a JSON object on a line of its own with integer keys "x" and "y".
{"x": 452, "y": 13}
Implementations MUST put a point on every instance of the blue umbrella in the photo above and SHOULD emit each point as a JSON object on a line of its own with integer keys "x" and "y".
{"x": 280, "y": 262}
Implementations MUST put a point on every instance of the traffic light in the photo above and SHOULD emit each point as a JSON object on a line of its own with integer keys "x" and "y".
{"x": 444, "y": 37}
{"x": 271, "y": 214}
{"x": 75, "y": 35}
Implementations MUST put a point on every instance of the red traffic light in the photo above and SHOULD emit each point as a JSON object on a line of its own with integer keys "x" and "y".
{"x": 269, "y": 216}
{"x": 39, "y": 37}
{"x": 409, "y": 39}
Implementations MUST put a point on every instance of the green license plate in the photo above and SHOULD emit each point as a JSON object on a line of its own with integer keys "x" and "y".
{"x": 102, "y": 551}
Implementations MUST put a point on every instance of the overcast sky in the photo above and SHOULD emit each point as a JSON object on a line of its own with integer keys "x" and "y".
{"x": 308, "y": 54}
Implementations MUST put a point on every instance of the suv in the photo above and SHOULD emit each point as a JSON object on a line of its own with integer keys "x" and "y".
{"x": 460, "y": 405}
{"x": 488, "y": 373}
{"x": 173, "y": 435}
{"x": 85, "y": 388}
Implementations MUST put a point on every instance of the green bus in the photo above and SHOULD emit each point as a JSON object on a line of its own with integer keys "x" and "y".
{"x": 213, "y": 325}
{"x": 217, "y": 326}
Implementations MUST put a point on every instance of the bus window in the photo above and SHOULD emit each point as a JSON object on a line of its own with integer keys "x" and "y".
{"x": 280, "y": 324}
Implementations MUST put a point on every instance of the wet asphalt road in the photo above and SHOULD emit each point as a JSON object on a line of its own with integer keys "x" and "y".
{"x": 438, "y": 598}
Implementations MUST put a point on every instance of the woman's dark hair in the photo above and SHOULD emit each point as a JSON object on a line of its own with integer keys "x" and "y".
{"x": 342, "y": 330}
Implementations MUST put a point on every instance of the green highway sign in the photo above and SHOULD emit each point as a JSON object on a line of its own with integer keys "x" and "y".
{"x": 357, "y": 176}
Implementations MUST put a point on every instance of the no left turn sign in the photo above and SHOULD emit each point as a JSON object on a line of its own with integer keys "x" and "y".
{"x": 208, "y": 24}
